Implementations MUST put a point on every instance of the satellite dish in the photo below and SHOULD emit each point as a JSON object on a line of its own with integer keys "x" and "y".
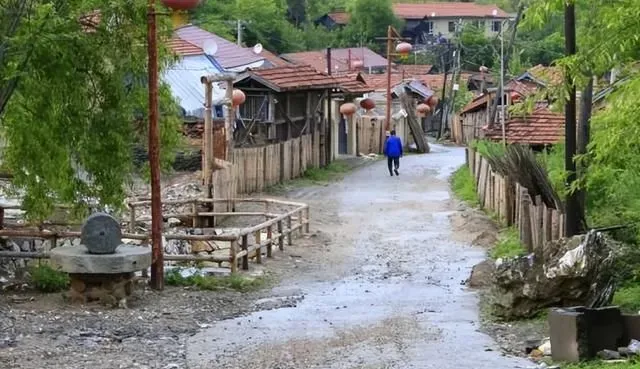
{"x": 210, "y": 47}
{"x": 257, "y": 49}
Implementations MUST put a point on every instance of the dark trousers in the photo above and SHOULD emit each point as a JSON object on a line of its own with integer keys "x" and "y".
{"x": 393, "y": 162}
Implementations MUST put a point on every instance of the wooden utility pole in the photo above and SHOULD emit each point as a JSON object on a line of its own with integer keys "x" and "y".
{"x": 157, "y": 267}
{"x": 572, "y": 217}
{"x": 326, "y": 131}
{"x": 387, "y": 122}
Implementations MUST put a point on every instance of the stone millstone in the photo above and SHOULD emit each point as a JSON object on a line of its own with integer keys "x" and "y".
{"x": 101, "y": 234}
{"x": 76, "y": 259}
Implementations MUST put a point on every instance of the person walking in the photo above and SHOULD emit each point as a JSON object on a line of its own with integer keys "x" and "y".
{"x": 393, "y": 152}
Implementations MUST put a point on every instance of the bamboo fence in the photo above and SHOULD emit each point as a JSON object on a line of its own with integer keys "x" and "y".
{"x": 511, "y": 203}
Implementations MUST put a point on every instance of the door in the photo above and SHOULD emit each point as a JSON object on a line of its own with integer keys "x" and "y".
{"x": 342, "y": 137}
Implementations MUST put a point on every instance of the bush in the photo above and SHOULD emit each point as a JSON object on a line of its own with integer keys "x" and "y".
{"x": 214, "y": 283}
{"x": 508, "y": 244}
{"x": 331, "y": 172}
{"x": 47, "y": 279}
{"x": 464, "y": 186}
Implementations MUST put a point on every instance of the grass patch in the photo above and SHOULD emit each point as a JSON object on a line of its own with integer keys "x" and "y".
{"x": 464, "y": 186}
{"x": 215, "y": 283}
{"x": 628, "y": 299}
{"x": 334, "y": 171}
{"x": 508, "y": 244}
{"x": 633, "y": 364}
{"x": 45, "y": 278}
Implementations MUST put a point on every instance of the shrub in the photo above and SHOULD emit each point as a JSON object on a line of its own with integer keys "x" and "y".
{"x": 47, "y": 279}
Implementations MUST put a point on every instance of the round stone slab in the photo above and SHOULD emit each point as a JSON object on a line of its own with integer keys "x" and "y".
{"x": 101, "y": 234}
{"x": 126, "y": 259}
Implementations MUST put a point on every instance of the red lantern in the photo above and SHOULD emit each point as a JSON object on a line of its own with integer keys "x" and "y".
{"x": 432, "y": 101}
{"x": 423, "y": 109}
{"x": 404, "y": 48}
{"x": 238, "y": 98}
{"x": 348, "y": 109}
{"x": 367, "y": 104}
{"x": 484, "y": 69}
{"x": 181, "y": 4}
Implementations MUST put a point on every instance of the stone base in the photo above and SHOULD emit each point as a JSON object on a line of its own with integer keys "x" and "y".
{"x": 109, "y": 289}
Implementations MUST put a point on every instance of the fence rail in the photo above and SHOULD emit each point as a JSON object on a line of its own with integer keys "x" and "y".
{"x": 512, "y": 204}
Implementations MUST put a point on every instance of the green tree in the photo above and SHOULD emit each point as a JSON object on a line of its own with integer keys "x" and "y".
{"x": 370, "y": 19}
{"x": 81, "y": 101}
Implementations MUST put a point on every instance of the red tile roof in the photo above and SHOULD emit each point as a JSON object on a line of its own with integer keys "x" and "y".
{"x": 548, "y": 75}
{"x": 478, "y": 102}
{"x": 184, "y": 48}
{"x": 414, "y": 70}
{"x": 293, "y": 77}
{"x": 229, "y": 55}
{"x": 340, "y": 17}
{"x": 433, "y": 81}
{"x": 447, "y": 10}
{"x": 542, "y": 127}
{"x": 339, "y": 59}
{"x": 353, "y": 83}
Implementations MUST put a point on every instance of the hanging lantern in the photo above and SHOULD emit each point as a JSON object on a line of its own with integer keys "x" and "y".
{"x": 404, "y": 48}
{"x": 238, "y": 98}
{"x": 432, "y": 101}
{"x": 367, "y": 104}
{"x": 357, "y": 64}
{"x": 483, "y": 69}
{"x": 348, "y": 109}
{"x": 423, "y": 109}
{"x": 181, "y": 4}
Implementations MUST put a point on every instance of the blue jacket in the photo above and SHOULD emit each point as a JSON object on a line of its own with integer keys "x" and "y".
{"x": 393, "y": 147}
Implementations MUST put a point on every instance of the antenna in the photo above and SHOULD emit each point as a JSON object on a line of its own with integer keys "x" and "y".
{"x": 257, "y": 49}
{"x": 210, "y": 47}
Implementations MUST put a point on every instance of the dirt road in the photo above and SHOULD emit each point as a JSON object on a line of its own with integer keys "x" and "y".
{"x": 385, "y": 292}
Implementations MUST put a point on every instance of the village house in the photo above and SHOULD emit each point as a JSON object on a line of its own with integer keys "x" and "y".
{"x": 343, "y": 60}
{"x": 425, "y": 22}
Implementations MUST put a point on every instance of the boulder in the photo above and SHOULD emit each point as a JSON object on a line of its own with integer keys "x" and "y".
{"x": 577, "y": 272}
{"x": 481, "y": 274}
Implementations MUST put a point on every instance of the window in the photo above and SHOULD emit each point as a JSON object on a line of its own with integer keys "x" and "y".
{"x": 496, "y": 26}
{"x": 430, "y": 28}
{"x": 452, "y": 27}
{"x": 478, "y": 23}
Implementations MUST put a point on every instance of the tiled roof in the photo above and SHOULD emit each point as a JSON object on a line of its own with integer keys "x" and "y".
{"x": 341, "y": 17}
{"x": 544, "y": 74}
{"x": 478, "y": 102}
{"x": 273, "y": 59}
{"x": 414, "y": 70}
{"x": 542, "y": 127}
{"x": 339, "y": 59}
{"x": 447, "y": 10}
{"x": 352, "y": 83}
{"x": 293, "y": 77}
{"x": 433, "y": 81}
{"x": 184, "y": 48}
{"x": 228, "y": 54}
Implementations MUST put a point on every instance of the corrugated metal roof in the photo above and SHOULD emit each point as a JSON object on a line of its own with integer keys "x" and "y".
{"x": 184, "y": 80}
{"x": 229, "y": 54}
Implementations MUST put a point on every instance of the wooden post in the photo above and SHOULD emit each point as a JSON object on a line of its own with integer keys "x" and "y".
{"x": 259, "y": 249}
{"x": 301, "y": 221}
{"x": 245, "y": 247}
{"x": 307, "y": 219}
{"x": 525, "y": 222}
{"x": 234, "y": 256}
{"x": 132, "y": 218}
{"x": 289, "y": 232}
{"x": 207, "y": 138}
{"x": 1, "y": 217}
{"x": 228, "y": 122}
{"x": 270, "y": 238}
{"x": 280, "y": 236}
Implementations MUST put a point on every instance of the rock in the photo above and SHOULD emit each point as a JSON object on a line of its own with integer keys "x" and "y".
{"x": 577, "y": 271}
{"x": 481, "y": 274}
{"x": 173, "y": 222}
{"x": 26, "y": 246}
{"x": 545, "y": 347}
{"x": 609, "y": 355}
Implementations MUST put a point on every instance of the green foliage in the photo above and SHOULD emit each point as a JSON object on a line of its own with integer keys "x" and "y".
{"x": 334, "y": 171}
{"x": 632, "y": 364}
{"x": 462, "y": 98}
{"x": 628, "y": 299}
{"x": 464, "y": 186}
{"x": 508, "y": 245}
{"x": 488, "y": 148}
{"x": 477, "y": 49}
{"x": 213, "y": 283}
{"x": 370, "y": 19}
{"x": 47, "y": 279}
{"x": 81, "y": 103}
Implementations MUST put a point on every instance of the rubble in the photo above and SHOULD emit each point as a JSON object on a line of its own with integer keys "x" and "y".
{"x": 577, "y": 273}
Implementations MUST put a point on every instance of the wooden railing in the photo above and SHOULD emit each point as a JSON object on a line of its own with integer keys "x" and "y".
{"x": 279, "y": 227}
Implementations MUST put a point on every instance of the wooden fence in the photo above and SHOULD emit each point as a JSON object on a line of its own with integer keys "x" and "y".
{"x": 513, "y": 205}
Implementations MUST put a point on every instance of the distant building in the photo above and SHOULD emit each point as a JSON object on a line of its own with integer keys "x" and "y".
{"x": 334, "y": 20}
{"x": 342, "y": 60}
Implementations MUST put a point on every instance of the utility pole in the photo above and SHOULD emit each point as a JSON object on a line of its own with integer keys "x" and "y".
{"x": 444, "y": 59}
{"x": 502, "y": 118}
{"x": 572, "y": 205}
{"x": 455, "y": 77}
{"x": 239, "y": 31}
{"x": 157, "y": 266}
{"x": 327, "y": 129}
{"x": 387, "y": 122}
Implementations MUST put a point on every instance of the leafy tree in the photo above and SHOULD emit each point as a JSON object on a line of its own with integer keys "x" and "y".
{"x": 370, "y": 19}
{"x": 81, "y": 101}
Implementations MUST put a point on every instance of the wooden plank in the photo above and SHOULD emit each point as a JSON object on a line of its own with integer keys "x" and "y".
{"x": 295, "y": 158}
{"x": 260, "y": 170}
{"x": 525, "y": 223}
